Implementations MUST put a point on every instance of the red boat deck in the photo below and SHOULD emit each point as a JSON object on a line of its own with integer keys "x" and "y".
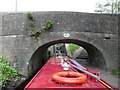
{"x": 42, "y": 80}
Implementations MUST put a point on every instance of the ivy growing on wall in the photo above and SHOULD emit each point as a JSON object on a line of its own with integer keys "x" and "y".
{"x": 30, "y": 16}
{"x": 36, "y": 31}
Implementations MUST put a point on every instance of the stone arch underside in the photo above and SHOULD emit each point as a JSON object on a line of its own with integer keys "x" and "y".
{"x": 38, "y": 59}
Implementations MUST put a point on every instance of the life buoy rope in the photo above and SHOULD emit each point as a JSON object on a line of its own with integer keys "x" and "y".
{"x": 75, "y": 77}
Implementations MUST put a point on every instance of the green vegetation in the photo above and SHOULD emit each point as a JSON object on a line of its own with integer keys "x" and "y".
{"x": 115, "y": 72}
{"x": 47, "y": 25}
{"x": 37, "y": 31}
{"x": 30, "y": 16}
{"x": 7, "y": 73}
{"x": 72, "y": 48}
{"x": 110, "y": 7}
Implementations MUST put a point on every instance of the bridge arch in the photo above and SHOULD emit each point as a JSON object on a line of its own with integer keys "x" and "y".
{"x": 38, "y": 58}
{"x": 94, "y": 32}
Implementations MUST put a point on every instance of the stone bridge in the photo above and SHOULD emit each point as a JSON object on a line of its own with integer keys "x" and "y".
{"x": 97, "y": 34}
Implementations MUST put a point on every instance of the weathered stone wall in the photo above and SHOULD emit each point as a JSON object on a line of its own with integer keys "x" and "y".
{"x": 119, "y": 44}
{"x": 119, "y": 40}
{"x": 0, "y": 33}
{"x": 19, "y": 47}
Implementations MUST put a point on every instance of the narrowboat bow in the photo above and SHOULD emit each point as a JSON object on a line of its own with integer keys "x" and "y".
{"x": 65, "y": 73}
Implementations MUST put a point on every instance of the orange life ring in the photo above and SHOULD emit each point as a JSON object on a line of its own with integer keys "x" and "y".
{"x": 75, "y": 77}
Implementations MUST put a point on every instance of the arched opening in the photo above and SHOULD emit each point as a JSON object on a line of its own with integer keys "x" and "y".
{"x": 72, "y": 50}
{"x": 40, "y": 56}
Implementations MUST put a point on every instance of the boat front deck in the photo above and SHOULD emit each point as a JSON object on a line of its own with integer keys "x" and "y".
{"x": 42, "y": 80}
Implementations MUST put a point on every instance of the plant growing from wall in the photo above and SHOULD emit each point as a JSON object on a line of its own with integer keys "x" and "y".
{"x": 47, "y": 25}
{"x": 30, "y": 16}
{"x": 7, "y": 73}
{"x": 37, "y": 31}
